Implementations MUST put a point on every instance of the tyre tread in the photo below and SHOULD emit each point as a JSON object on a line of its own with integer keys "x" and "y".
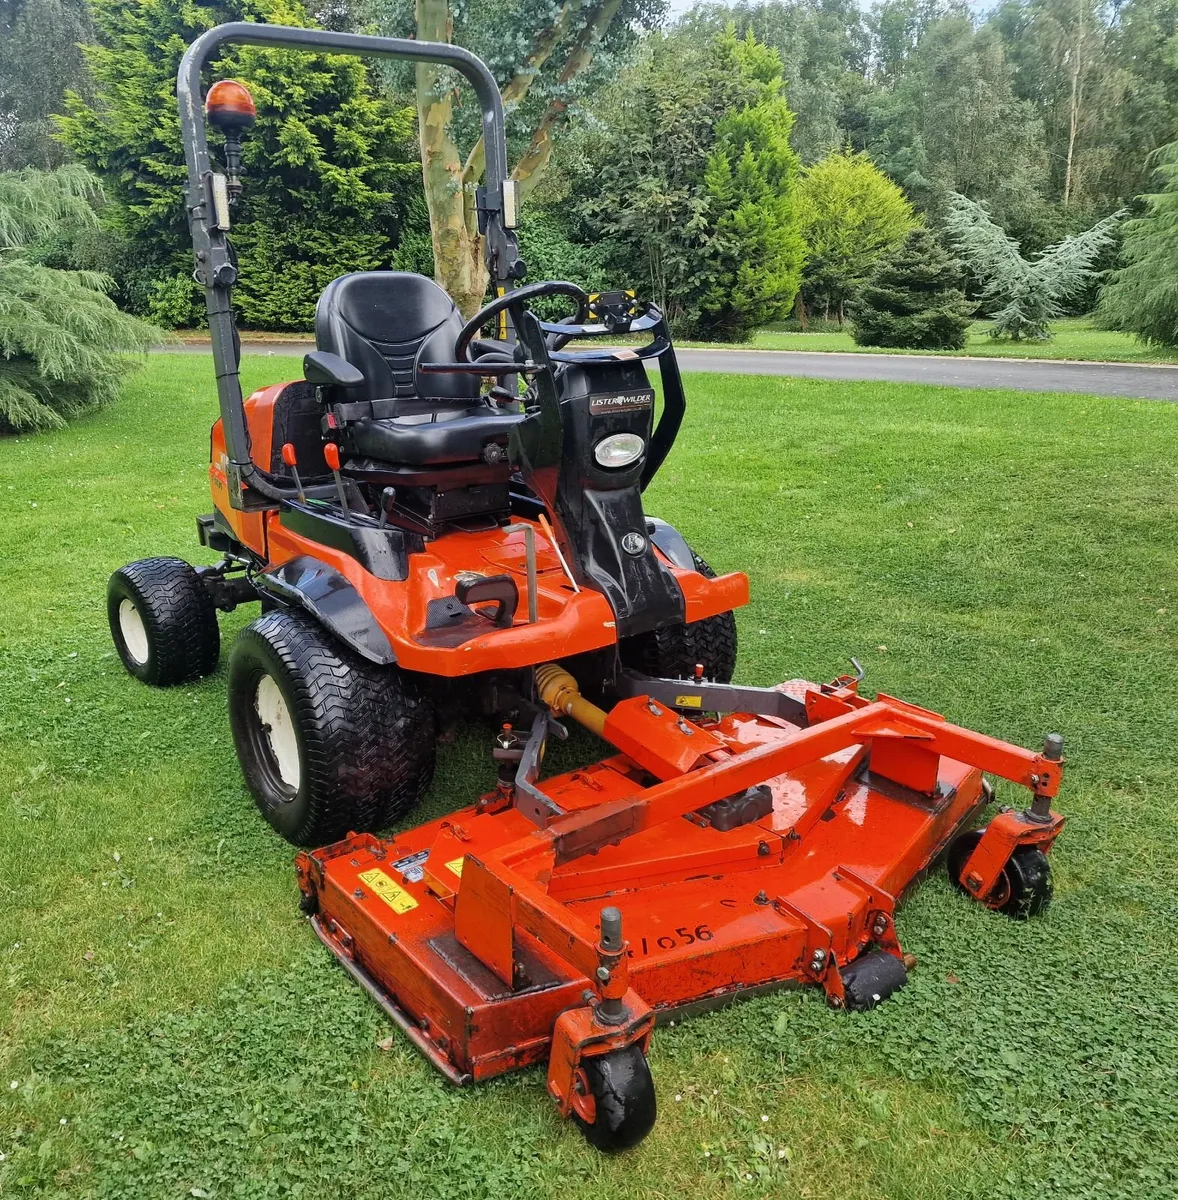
{"x": 179, "y": 614}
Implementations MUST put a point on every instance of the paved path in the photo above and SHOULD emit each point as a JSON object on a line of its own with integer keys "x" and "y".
{"x": 1099, "y": 379}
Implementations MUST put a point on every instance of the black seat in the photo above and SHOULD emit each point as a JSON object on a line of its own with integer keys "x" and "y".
{"x": 383, "y": 323}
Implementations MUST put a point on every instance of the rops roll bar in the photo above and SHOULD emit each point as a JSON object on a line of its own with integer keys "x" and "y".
{"x": 215, "y": 270}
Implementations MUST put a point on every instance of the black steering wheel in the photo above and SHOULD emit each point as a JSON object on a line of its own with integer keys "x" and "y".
{"x": 517, "y": 299}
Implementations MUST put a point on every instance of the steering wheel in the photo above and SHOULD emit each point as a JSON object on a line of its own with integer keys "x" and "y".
{"x": 516, "y": 299}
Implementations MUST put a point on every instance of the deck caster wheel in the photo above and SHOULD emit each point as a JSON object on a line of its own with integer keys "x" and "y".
{"x": 163, "y": 621}
{"x": 613, "y": 1099}
{"x": 1023, "y": 889}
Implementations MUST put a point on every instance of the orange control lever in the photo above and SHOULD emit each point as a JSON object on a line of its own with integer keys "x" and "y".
{"x": 292, "y": 460}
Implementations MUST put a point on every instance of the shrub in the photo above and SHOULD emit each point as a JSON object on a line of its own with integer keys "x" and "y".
{"x": 915, "y": 299}
{"x": 327, "y": 167}
{"x": 62, "y": 340}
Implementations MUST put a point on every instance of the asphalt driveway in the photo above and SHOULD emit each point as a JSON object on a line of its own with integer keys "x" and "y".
{"x": 1098, "y": 379}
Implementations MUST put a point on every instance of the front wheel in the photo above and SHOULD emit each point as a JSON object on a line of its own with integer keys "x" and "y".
{"x": 613, "y": 1103}
{"x": 329, "y": 743}
{"x": 674, "y": 651}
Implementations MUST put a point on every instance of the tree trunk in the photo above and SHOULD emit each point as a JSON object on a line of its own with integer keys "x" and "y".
{"x": 1074, "y": 109}
{"x": 521, "y": 81}
{"x": 803, "y": 318}
{"x": 458, "y": 248}
{"x": 530, "y": 169}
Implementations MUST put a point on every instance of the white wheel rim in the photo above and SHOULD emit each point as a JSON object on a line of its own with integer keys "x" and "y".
{"x": 279, "y": 730}
{"x": 134, "y": 632}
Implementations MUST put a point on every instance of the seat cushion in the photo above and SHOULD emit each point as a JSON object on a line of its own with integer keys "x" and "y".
{"x": 432, "y": 436}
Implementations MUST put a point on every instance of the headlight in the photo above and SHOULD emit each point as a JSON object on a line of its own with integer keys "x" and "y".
{"x": 619, "y": 449}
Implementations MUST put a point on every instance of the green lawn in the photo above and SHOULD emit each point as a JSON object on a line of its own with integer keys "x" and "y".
{"x": 170, "y": 1027}
{"x": 1073, "y": 338}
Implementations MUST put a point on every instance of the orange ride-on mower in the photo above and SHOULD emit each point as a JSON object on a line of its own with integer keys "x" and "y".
{"x": 425, "y": 546}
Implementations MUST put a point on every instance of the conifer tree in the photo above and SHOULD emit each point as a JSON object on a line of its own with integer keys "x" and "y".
{"x": 1021, "y": 297}
{"x": 1142, "y": 297}
{"x": 915, "y": 300}
{"x": 328, "y": 167}
{"x": 63, "y": 342}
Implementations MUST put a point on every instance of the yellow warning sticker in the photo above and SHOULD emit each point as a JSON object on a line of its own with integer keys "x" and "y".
{"x": 395, "y": 896}
{"x": 689, "y": 702}
{"x": 455, "y": 865}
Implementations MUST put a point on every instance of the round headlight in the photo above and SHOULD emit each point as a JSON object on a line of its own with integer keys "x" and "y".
{"x": 619, "y": 449}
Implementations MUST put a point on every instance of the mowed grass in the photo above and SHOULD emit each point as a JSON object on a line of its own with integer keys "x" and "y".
{"x": 1072, "y": 338}
{"x": 170, "y": 1027}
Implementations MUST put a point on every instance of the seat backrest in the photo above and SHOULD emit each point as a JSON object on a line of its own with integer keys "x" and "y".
{"x": 379, "y": 321}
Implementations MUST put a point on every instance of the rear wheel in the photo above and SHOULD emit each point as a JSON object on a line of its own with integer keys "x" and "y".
{"x": 163, "y": 621}
{"x": 613, "y": 1103}
{"x": 1024, "y": 888}
{"x": 673, "y": 652}
{"x": 329, "y": 743}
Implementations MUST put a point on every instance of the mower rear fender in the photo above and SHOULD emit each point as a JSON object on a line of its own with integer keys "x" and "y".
{"x": 331, "y": 600}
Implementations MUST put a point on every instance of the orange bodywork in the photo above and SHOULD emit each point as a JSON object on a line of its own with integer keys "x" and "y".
{"x": 570, "y": 622}
{"x": 479, "y": 932}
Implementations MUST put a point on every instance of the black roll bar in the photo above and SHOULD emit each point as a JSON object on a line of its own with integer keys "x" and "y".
{"x": 215, "y": 270}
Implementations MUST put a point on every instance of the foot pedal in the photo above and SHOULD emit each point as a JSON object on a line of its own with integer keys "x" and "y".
{"x": 872, "y": 978}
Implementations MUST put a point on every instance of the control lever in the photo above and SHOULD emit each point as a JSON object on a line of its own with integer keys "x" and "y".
{"x": 387, "y": 499}
{"x": 292, "y": 460}
{"x": 331, "y": 455}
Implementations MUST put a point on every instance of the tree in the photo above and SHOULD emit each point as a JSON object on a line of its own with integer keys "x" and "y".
{"x": 915, "y": 299}
{"x": 63, "y": 342}
{"x": 1142, "y": 297}
{"x": 328, "y": 166}
{"x": 546, "y": 54}
{"x": 850, "y": 214}
{"x": 750, "y": 186}
{"x": 1021, "y": 296}
{"x": 39, "y": 61}
{"x": 953, "y": 122}
{"x": 686, "y": 179}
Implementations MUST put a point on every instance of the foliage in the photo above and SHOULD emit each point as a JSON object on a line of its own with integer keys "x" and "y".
{"x": 687, "y": 181}
{"x": 326, "y": 167}
{"x": 851, "y": 213}
{"x": 544, "y": 54}
{"x": 915, "y": 299}
{"x": 824, "y": 47}
{"x": 61, "y": 337}
{"x": 39, "y": 61}
{"x": 1021, "y": 296}
{"x": 750, "y": 185}
{"x": 1142, "y": 297}
{"x": 952, "y": 121}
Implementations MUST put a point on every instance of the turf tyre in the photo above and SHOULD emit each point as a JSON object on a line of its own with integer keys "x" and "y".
{"x": 163, "y": 621}
{"x": 363, "y": 735}
{"x": 672, "y": 652}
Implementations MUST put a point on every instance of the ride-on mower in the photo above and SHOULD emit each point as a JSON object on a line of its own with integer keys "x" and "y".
{"x": 438, "y": 523}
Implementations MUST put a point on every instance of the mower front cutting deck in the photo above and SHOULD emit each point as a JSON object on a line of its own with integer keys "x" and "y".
{"x": 736, "y": 854}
